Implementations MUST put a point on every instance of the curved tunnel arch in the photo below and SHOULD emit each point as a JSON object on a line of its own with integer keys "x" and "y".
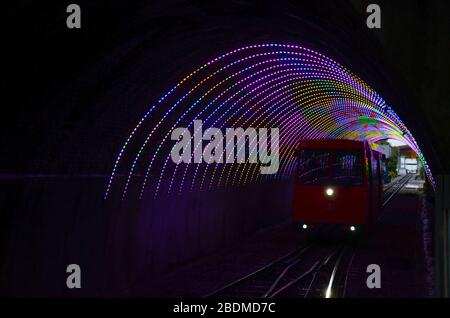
{"x": 304, "y": 93}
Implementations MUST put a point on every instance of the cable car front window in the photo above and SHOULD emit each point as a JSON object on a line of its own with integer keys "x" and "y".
{"x": 313, "y": 167}
{"x": 347, "y": 168}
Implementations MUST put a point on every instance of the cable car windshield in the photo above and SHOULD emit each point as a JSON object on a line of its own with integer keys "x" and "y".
{"x": 322, "y": 167}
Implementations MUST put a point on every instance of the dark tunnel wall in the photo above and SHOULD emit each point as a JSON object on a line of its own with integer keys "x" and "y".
{"x": 76, "y": 96}
{"x": 57, "y": 223}
{"x": 413, "y": 48}
{"x": 414, "y": 37}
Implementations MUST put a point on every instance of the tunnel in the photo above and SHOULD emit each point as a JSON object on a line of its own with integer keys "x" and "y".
{"x": 90, "y": 176}
{"x": 303, "y": 93}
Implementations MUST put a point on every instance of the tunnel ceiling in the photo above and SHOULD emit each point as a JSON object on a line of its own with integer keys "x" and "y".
{"x": 304, "y": 93}
{"x": 78, "y": 95}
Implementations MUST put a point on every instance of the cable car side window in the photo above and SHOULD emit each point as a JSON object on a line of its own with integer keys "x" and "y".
{"x": 347, "y": 168}
{"x": 313, "y": 167}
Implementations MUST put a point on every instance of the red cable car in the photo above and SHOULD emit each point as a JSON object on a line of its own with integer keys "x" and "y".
{"x": 337, "y": 182}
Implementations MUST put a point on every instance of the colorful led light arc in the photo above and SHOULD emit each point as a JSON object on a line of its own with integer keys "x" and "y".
{"x": 302, "y": 92}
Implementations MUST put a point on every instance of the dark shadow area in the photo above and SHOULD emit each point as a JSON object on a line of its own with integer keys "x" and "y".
{"x": 71, "y": 97}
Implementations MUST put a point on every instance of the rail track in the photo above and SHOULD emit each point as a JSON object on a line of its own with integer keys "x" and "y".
{"x": 312, "y": 270}
{"x": 390, "y": 191}
{"x": 326, "y": 278}
{"x": 258, "y": 282}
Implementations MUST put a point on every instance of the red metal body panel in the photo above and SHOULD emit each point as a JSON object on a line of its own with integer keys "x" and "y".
{"x": 377, "y": 188}
{"x": 350, "y": 204}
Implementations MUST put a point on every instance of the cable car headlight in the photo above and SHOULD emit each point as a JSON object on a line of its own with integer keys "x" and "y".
{"x": 329, "y": 191}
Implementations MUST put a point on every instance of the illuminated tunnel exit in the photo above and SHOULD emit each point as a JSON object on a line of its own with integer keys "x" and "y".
{"x": 303, "y": 93}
